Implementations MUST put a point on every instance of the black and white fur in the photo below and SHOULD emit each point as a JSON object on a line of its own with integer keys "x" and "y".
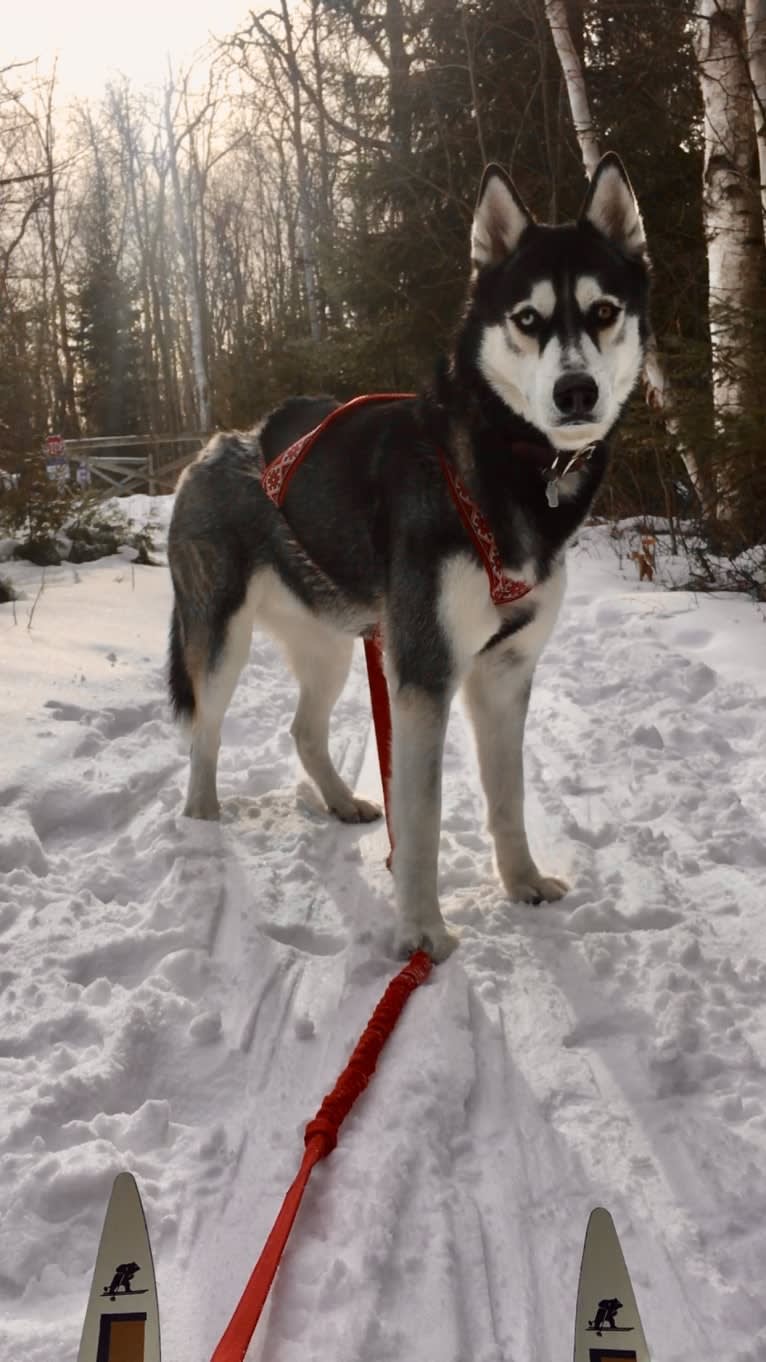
{"x": 548, "y": 350}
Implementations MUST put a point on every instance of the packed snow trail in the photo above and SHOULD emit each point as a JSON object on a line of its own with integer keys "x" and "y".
{"x": 177, "y": 998}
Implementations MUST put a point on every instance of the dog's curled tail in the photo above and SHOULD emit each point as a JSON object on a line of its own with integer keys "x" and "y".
{"x": 179, "y": 681}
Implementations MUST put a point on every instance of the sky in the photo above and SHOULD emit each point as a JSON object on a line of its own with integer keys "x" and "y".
{"x": 95, "y": 41}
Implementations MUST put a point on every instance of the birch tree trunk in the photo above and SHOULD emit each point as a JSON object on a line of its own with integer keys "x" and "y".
{"x": 755, "y": 27}
{"x": 656, "y": 385}
{"x": 730, "y": 205}
{"x": 574, "y": 76}
{"x": 201, "y": 384}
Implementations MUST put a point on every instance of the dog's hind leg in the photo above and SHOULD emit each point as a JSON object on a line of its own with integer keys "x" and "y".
{"x": 213, "y": 688}
{"x": 320, "y": 658}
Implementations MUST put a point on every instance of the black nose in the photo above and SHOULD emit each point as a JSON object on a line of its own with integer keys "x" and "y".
{"x": 575, "y": 394}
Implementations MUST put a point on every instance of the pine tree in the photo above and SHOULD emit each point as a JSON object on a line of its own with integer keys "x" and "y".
{"x": 107, "y": 338}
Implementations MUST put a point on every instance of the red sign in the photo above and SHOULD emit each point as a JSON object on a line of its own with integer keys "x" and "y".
{"x": 55, "y": 446}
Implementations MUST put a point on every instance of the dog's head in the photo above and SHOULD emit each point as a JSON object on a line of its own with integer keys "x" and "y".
{"x": 562, "y": 311}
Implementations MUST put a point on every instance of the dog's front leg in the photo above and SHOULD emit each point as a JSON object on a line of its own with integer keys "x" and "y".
{"x": 497, "y": 692}
{"x": 419, "y": 721}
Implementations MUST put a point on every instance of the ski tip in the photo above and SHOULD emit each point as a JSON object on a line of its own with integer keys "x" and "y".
{"x": 122, "y": 1319}
{"x": 607, "y": 1323}
{"x": 600, "y": 1219}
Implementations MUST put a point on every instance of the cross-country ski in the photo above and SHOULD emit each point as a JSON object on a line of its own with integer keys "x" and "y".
{"x": 122, "y": 1320}
{"x": 606, "y": 1303}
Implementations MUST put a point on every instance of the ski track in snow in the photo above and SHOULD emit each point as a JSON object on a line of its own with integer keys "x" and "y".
{"x": 176, "y": 998}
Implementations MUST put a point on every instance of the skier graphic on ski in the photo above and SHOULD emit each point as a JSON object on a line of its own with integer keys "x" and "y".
{"x": 606, "y": 1316}
{"x": 120, "y": 1283}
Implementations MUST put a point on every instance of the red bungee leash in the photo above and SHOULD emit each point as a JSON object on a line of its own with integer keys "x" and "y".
{"x": 321, "y": 1136}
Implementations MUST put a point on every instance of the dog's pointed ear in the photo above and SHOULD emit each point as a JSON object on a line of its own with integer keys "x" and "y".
{"x": 500, "y": 219}
{"x": 610, "y": 205}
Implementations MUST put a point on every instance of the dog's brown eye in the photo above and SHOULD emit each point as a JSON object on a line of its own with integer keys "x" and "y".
{"x": 606, "y": 313}
{"x": 527, "y": 319}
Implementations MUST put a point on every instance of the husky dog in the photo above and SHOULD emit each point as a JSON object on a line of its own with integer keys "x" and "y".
{"x": 370, "y": 535}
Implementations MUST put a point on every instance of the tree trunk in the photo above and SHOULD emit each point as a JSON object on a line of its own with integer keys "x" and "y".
{"x": 201, "y": 384}
{"x": 154, "y": 218}
{"x": 730, "y": 205}
{"x": 305, "y": 218}
{"x": 121, "y": 114}
{"x": 325, "y": 212}
{"x": 67, "y": 417}
{"x": 755, "y": 24}
{"x": 398, "y": 79}
{"x": 574, "y": 76}
{"x": 470, "y": 57}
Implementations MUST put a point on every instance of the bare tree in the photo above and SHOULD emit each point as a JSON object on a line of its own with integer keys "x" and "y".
{"x": 40, "y": 112}
{"x": 282, "y": 49}
{"x": 23, "y": 190}
{"x": 191, "y": 274}
{"x": 133, "y": 165}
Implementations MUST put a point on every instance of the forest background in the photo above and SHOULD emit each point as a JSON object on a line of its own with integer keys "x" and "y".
{"x": 292, "y": 214}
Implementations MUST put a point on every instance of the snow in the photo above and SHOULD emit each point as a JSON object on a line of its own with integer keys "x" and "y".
{"x": 176, "y": 998}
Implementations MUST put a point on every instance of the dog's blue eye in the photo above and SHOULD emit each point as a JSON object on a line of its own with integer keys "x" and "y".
{"x": 526, "y": 320}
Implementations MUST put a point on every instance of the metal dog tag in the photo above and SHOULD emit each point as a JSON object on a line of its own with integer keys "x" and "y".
{"x": 552, "y": 492}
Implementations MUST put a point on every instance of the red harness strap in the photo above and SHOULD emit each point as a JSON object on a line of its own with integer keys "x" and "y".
{"x": 276, "y": 480}
{"x": 276, "y": 476}
{"x": 503, "y": 590}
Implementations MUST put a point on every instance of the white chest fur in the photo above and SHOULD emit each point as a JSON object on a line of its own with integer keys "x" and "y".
{"x": 470, "y": 619}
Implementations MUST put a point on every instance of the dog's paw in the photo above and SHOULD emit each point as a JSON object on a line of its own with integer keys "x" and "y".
{"x": 536, "y": 888}
{"x": 355, "y": 810}
{"x": 435, "y": 940}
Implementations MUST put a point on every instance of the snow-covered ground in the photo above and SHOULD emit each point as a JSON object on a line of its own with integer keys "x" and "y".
{"x": 176, "y": 998}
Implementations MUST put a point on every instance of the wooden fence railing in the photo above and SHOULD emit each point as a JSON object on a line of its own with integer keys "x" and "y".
{"x": 151, "y": 463}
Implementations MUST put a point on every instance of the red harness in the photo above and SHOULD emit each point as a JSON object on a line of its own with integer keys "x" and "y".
{"x": 276, "y": 479}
